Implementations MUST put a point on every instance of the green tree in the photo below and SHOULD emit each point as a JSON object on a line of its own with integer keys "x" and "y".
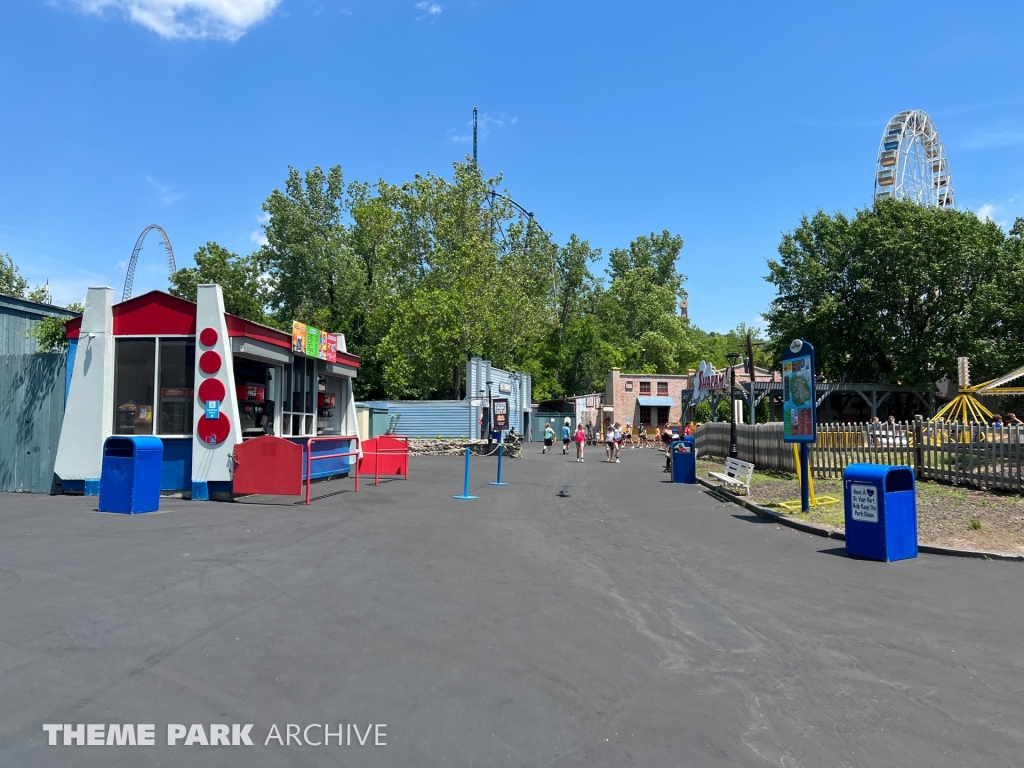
{"x": 11, "y": 281}
{"x": 895, "y": 295}
{"x": 51, "y": 332}
{"x": 702, "y": 412}
{"x": 238, "y": 276}
{"x": 312, "y": 272}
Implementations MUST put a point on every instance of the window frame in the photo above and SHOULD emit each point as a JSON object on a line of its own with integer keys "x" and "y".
{"x": 629, "y": 385}
{"x": 645, "y": 387}
{"x": 662, "y": 389}
{"x": 156, "y": 382}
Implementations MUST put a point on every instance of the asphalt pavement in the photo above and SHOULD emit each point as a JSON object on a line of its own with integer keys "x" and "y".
{"x": 635, "y": 622}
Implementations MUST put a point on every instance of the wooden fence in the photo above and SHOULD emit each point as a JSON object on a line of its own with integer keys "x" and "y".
{"x": 963, "y": 454}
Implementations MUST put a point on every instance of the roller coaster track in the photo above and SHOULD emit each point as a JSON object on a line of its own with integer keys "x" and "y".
{"x": 130, "y": 277}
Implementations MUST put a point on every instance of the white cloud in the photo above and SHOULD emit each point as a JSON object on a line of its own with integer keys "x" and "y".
{"x": 189, "y": 19}
{"x": 986, "y": 211}
{"x": 259, "y": 236}
{"x": 166, "y": 195}
{"x": 430, "y": 10}
{"x": 484, "y": 123}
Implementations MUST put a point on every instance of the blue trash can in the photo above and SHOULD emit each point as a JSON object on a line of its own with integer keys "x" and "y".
{"x": 684, "y": 463}
{"x": 881, "y": 512}
{"x": 130, "y": 479}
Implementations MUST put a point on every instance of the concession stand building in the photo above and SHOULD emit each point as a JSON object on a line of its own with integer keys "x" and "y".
{"x": 204, "y": 382}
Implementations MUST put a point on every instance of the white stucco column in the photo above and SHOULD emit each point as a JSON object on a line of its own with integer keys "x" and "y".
{"x": 89, "y": 413}
{"x": 212, "y": 463}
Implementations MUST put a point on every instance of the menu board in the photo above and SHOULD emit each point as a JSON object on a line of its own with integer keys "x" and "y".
{"x": 298, "y": 337}
{"x": 312, "y": 341}
{"x": 332, "y": 348}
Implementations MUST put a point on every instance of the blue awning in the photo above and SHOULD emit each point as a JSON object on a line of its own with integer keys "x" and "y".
{"x": 646, "y": 401}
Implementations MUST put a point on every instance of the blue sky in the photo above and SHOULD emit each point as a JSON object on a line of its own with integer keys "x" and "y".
{"x": 723, "y": 122}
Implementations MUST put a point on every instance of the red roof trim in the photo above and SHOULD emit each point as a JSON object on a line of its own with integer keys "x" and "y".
{"x": 159, "y": 314}
{"x": 154, "y": 314}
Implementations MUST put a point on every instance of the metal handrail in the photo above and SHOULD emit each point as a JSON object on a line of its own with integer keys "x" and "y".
{"x": 310, "y": 458}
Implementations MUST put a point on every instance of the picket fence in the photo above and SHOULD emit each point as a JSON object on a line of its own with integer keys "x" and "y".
{"x": 962, "y": 454}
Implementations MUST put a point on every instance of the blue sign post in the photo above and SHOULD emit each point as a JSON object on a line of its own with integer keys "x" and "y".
{"x": 799, "y": 407}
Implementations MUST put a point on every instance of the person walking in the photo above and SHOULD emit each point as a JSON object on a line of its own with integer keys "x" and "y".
{"x": 581, "y": 441}
{"x": 617, "y": 437}
{"x": 549, "y": 438}
{"x": 609, "y": 443}
{"x": 566, "y": 437}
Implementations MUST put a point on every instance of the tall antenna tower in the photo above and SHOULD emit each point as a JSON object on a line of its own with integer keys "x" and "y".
{"x": 474, "y": 134}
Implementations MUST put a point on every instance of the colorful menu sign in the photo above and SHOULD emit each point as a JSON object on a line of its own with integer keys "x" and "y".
{"x": 313, "y": 342}
{"x": 298, "y": 337}
{"x": 799, "y": 412}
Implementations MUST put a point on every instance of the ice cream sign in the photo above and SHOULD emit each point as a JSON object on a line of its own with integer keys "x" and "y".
{"x": 707, "y": 381}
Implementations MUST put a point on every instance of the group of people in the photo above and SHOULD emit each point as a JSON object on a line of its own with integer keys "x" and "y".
{"x": 615, "y": 436}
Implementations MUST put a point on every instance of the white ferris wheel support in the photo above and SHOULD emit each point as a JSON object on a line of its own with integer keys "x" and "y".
{"x": 912, "y": 162}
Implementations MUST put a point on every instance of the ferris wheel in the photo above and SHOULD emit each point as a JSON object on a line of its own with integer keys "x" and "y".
{"x": 912, "y": 162}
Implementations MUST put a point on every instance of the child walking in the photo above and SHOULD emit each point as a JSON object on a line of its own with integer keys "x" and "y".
{"x": 581, "y": 440}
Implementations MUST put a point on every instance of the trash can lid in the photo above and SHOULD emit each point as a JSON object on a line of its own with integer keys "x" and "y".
{"x": 139, "y": 442}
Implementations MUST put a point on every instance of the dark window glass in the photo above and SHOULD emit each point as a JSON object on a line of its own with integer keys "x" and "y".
{"x": 645, "y": 415}
{"x": 662, "y": 387}
{"x": 645, "y": 387}
{"x": 177, "y": 382}
{"x": 134, "y": 360}
{"x": 663, "y": 414}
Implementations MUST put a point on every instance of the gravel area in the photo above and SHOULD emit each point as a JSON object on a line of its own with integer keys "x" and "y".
{"x": 947, "y": 515}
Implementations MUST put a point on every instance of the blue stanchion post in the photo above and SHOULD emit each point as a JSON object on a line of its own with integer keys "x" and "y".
{"x": 499, "y": 468}
{"x": 465, "y": 485}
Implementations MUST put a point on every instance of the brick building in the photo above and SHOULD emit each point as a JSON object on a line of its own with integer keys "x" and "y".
{"x": 657, "y": 399}
{"x": 644, "y": 398}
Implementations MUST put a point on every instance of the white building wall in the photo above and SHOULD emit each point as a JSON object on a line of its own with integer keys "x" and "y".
{"x": 88, "y": 419}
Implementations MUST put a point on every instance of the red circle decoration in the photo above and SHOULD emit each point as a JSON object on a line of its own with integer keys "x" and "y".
{"x": 209, "y": 362}
{"x": 208, "y": 337}
{"x": 213, "y": 431}
{"x": 212, "y": 389}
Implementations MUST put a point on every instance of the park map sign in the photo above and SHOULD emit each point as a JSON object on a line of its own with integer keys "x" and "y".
{"x": 312, "y": 342}
{"x": 799, "y": 414}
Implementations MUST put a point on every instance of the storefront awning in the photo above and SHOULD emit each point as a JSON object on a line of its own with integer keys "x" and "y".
{"x": 646, "y": 401}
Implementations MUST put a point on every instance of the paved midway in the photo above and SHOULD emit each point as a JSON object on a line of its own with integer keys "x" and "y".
{"x": 634, "y": 623}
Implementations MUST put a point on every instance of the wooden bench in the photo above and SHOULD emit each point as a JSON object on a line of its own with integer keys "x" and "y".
{"x": 737, "y": 474}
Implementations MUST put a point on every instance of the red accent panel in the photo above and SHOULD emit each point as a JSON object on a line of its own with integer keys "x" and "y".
{"x": 239, "y": 327}
{"x": 208, "y": 337}
{"x": 73, "y": 328}
{"x": 392, "y": 459}
{"x": 154, "y": 313}
{"x": 212, "y": 389}
{"x": 209, "y": 362}
{"x": 213, "y": 431}
{"x": 268, "y": 465}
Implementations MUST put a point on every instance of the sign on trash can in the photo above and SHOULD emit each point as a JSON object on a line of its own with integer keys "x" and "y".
{"x": 881, "y": 512}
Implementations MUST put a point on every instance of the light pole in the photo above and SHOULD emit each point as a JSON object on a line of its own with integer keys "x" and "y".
{"x": 490, "y": 416}
{"x": 733, "y": 450}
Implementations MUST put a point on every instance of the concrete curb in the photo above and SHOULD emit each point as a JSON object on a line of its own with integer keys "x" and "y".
{"x": 819, "y": 530}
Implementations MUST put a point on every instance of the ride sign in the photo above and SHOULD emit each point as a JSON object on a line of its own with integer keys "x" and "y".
{"x": 799, "y": 396}
{"x": 500, "y": 417}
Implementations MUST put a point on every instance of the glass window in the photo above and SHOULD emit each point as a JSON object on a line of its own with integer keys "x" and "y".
{"x": 662, "y": 387}
{"x": 663, "y": 414}
{"x": 177, "y": 382}
{"x": 134, "y": 360}
{"x": 645, "y": 415}
{"x": 645, "y": 387}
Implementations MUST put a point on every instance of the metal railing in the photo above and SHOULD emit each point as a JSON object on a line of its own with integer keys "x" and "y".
{"x": 310, "y": 458}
